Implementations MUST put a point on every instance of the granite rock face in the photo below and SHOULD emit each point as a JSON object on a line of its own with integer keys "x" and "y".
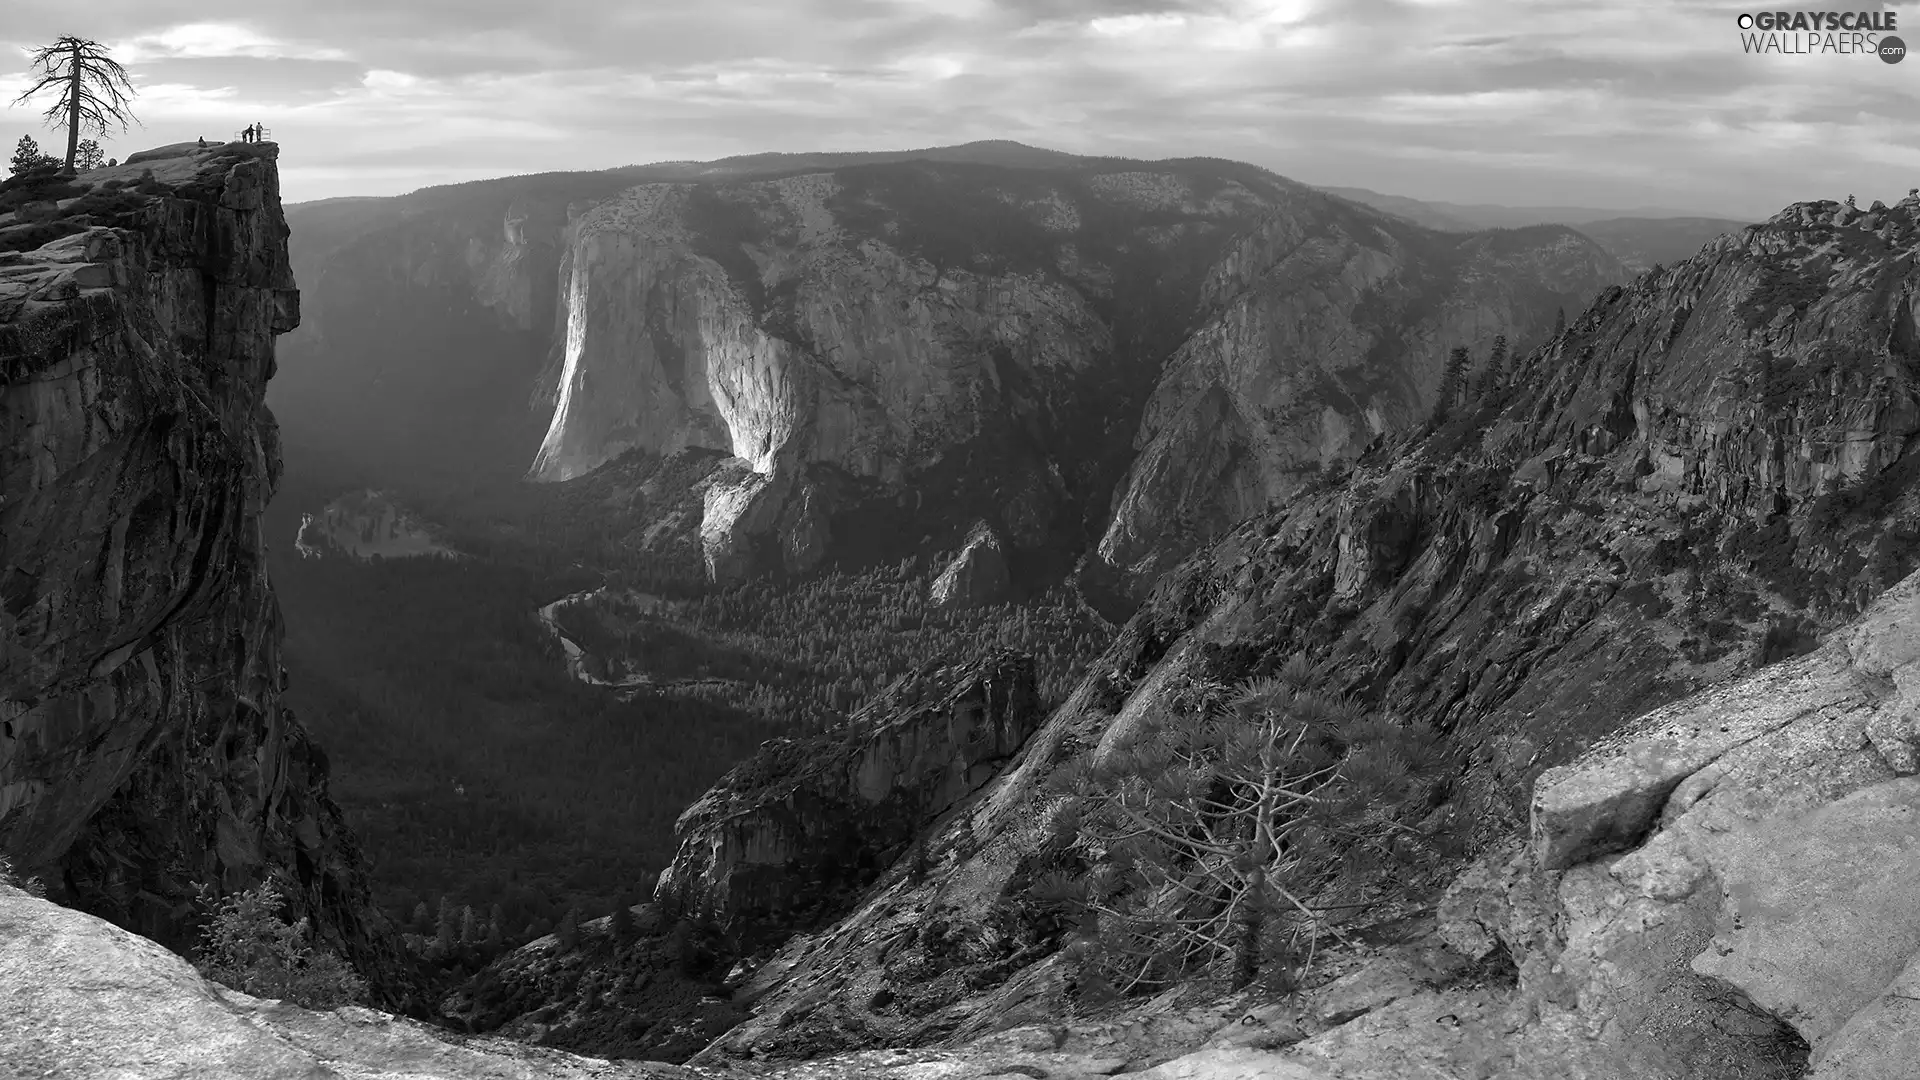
{"x": 362, "y": 524}
{"x": 143, "y": 747}
{"x": 944, "y": 331}
{"x": 976, "y": 576}
{"x": 1706, "y": 474}
{"x": 80, "y": 998}
{"x": 825, "y": 320}
{"x": 791, "y": 829}
{"x": 1322, "y": 329}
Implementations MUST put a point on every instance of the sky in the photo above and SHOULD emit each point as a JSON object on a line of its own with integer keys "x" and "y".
{"x": 1616, "y": 103}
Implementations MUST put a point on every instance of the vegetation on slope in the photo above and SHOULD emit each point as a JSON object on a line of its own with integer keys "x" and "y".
{"x": 479, "y": 774}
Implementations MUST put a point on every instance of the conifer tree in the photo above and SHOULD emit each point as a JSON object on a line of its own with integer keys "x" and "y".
{"x": 27, "y": 158}
{"x": 625, "y": 930}
{"x": 444, "y": 930}
{"x": 919, "y": 861}
{"x": 422, "y": 918}
{"x": 493, "y": 942}
{"x": 567, "y": 934}
{"x": 91, "y": 90}
{"x": 1452, "y": 382}
{"x": 469, "y": 926}
{"x": 1493, "y": 378}
{"x": 249, "y": 946}
{"x": 1210, "y": 832}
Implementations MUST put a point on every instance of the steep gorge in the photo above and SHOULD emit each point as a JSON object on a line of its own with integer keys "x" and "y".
{"x": 1706, "y": 473}
{"x": 889, "y": 351}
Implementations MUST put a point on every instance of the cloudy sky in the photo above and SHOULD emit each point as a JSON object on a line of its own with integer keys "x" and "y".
{"x": 1624, "y": 103}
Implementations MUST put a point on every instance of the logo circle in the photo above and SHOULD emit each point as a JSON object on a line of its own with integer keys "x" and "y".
{"x": 1892, "y": 50}
{"x": 1744, "y": 22}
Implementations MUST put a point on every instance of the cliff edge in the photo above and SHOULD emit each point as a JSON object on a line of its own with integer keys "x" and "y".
{"x": 144, "y": 748}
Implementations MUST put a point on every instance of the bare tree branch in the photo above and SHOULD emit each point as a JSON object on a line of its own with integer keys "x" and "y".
{"x": 93, "y": 90}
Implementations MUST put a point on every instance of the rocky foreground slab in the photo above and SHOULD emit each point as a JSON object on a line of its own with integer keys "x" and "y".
{"x": 1725, "y": 890}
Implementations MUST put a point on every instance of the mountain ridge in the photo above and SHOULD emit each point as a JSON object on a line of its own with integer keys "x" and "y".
{"x": 730, "y": 249}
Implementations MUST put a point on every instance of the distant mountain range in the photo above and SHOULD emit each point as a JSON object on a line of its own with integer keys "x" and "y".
{"x": 1639, "y": 238}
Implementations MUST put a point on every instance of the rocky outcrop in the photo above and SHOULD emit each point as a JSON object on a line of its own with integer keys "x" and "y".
{"x": 1707, "y": 473}
{"x": 783, "y": 837}
{"x": 144, "y": 750}
{"x": 81, "y": 998}
{"x": 1323, "y": 329}
{"x": 1753, "y": 843}
{"x": 362, "y": 524}
{"x": 976, "y": 576}
{"x": 1720, "y": 891}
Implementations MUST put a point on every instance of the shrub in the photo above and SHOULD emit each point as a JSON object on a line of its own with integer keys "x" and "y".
{"x": 247, "y": 946}
{"x": 8, "y": 876}
{"x": 106, "y": 203}
{"x": 38, "y": 235}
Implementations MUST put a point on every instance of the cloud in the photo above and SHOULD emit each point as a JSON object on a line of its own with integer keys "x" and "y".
{"x": 1518, "y": 101}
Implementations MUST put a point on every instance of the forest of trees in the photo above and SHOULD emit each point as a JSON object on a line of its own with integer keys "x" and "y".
{"x": 479, "y": 775}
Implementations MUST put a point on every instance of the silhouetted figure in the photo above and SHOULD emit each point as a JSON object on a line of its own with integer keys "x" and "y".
{"x": 203, "y": 142}
{"x": 259, "y": 132}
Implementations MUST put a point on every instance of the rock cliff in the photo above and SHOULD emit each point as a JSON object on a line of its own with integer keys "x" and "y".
{"x": 787, "y": 836}
{"x": 862, "y": 332}
{"x": 843, "y": 319}
{"x": 1706, "y": 473}
{"x": 976, "y": 576}
{"x": 1656, "y": 889}
{"x": 363, "y": 524}
{"x": 143, "y": 746}
{"x": 1324, "y": 328}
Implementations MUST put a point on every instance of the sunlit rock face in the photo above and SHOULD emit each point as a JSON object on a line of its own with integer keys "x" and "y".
{"x": 1702, "y": 483}
{"x": 976, "y": 576}
{"x": 883, "y": 323}
{"x": 362, "y": 524}
{"x": 143, "y": 746}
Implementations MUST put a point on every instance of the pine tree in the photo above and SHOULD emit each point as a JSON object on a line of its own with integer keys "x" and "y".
{"x": 1452, "y": 382}
{"x": 249, "y": 946}
{"x": 919, "y": 861}
{"x": 444, "y": 929}
{"x": 88, "y": 155}
{"x": 1493, "y": 377}
{"x": 625, "y": 930}
{"x": 493, "y": 942}
{"x": 567, "y": 934}
{"x": 422, "y": 920}
{"x": 1210, "y": 831}
{"x": 91, "y": 90}
{"x": 27, "y": 158}
{"x": 469, "y": 926}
